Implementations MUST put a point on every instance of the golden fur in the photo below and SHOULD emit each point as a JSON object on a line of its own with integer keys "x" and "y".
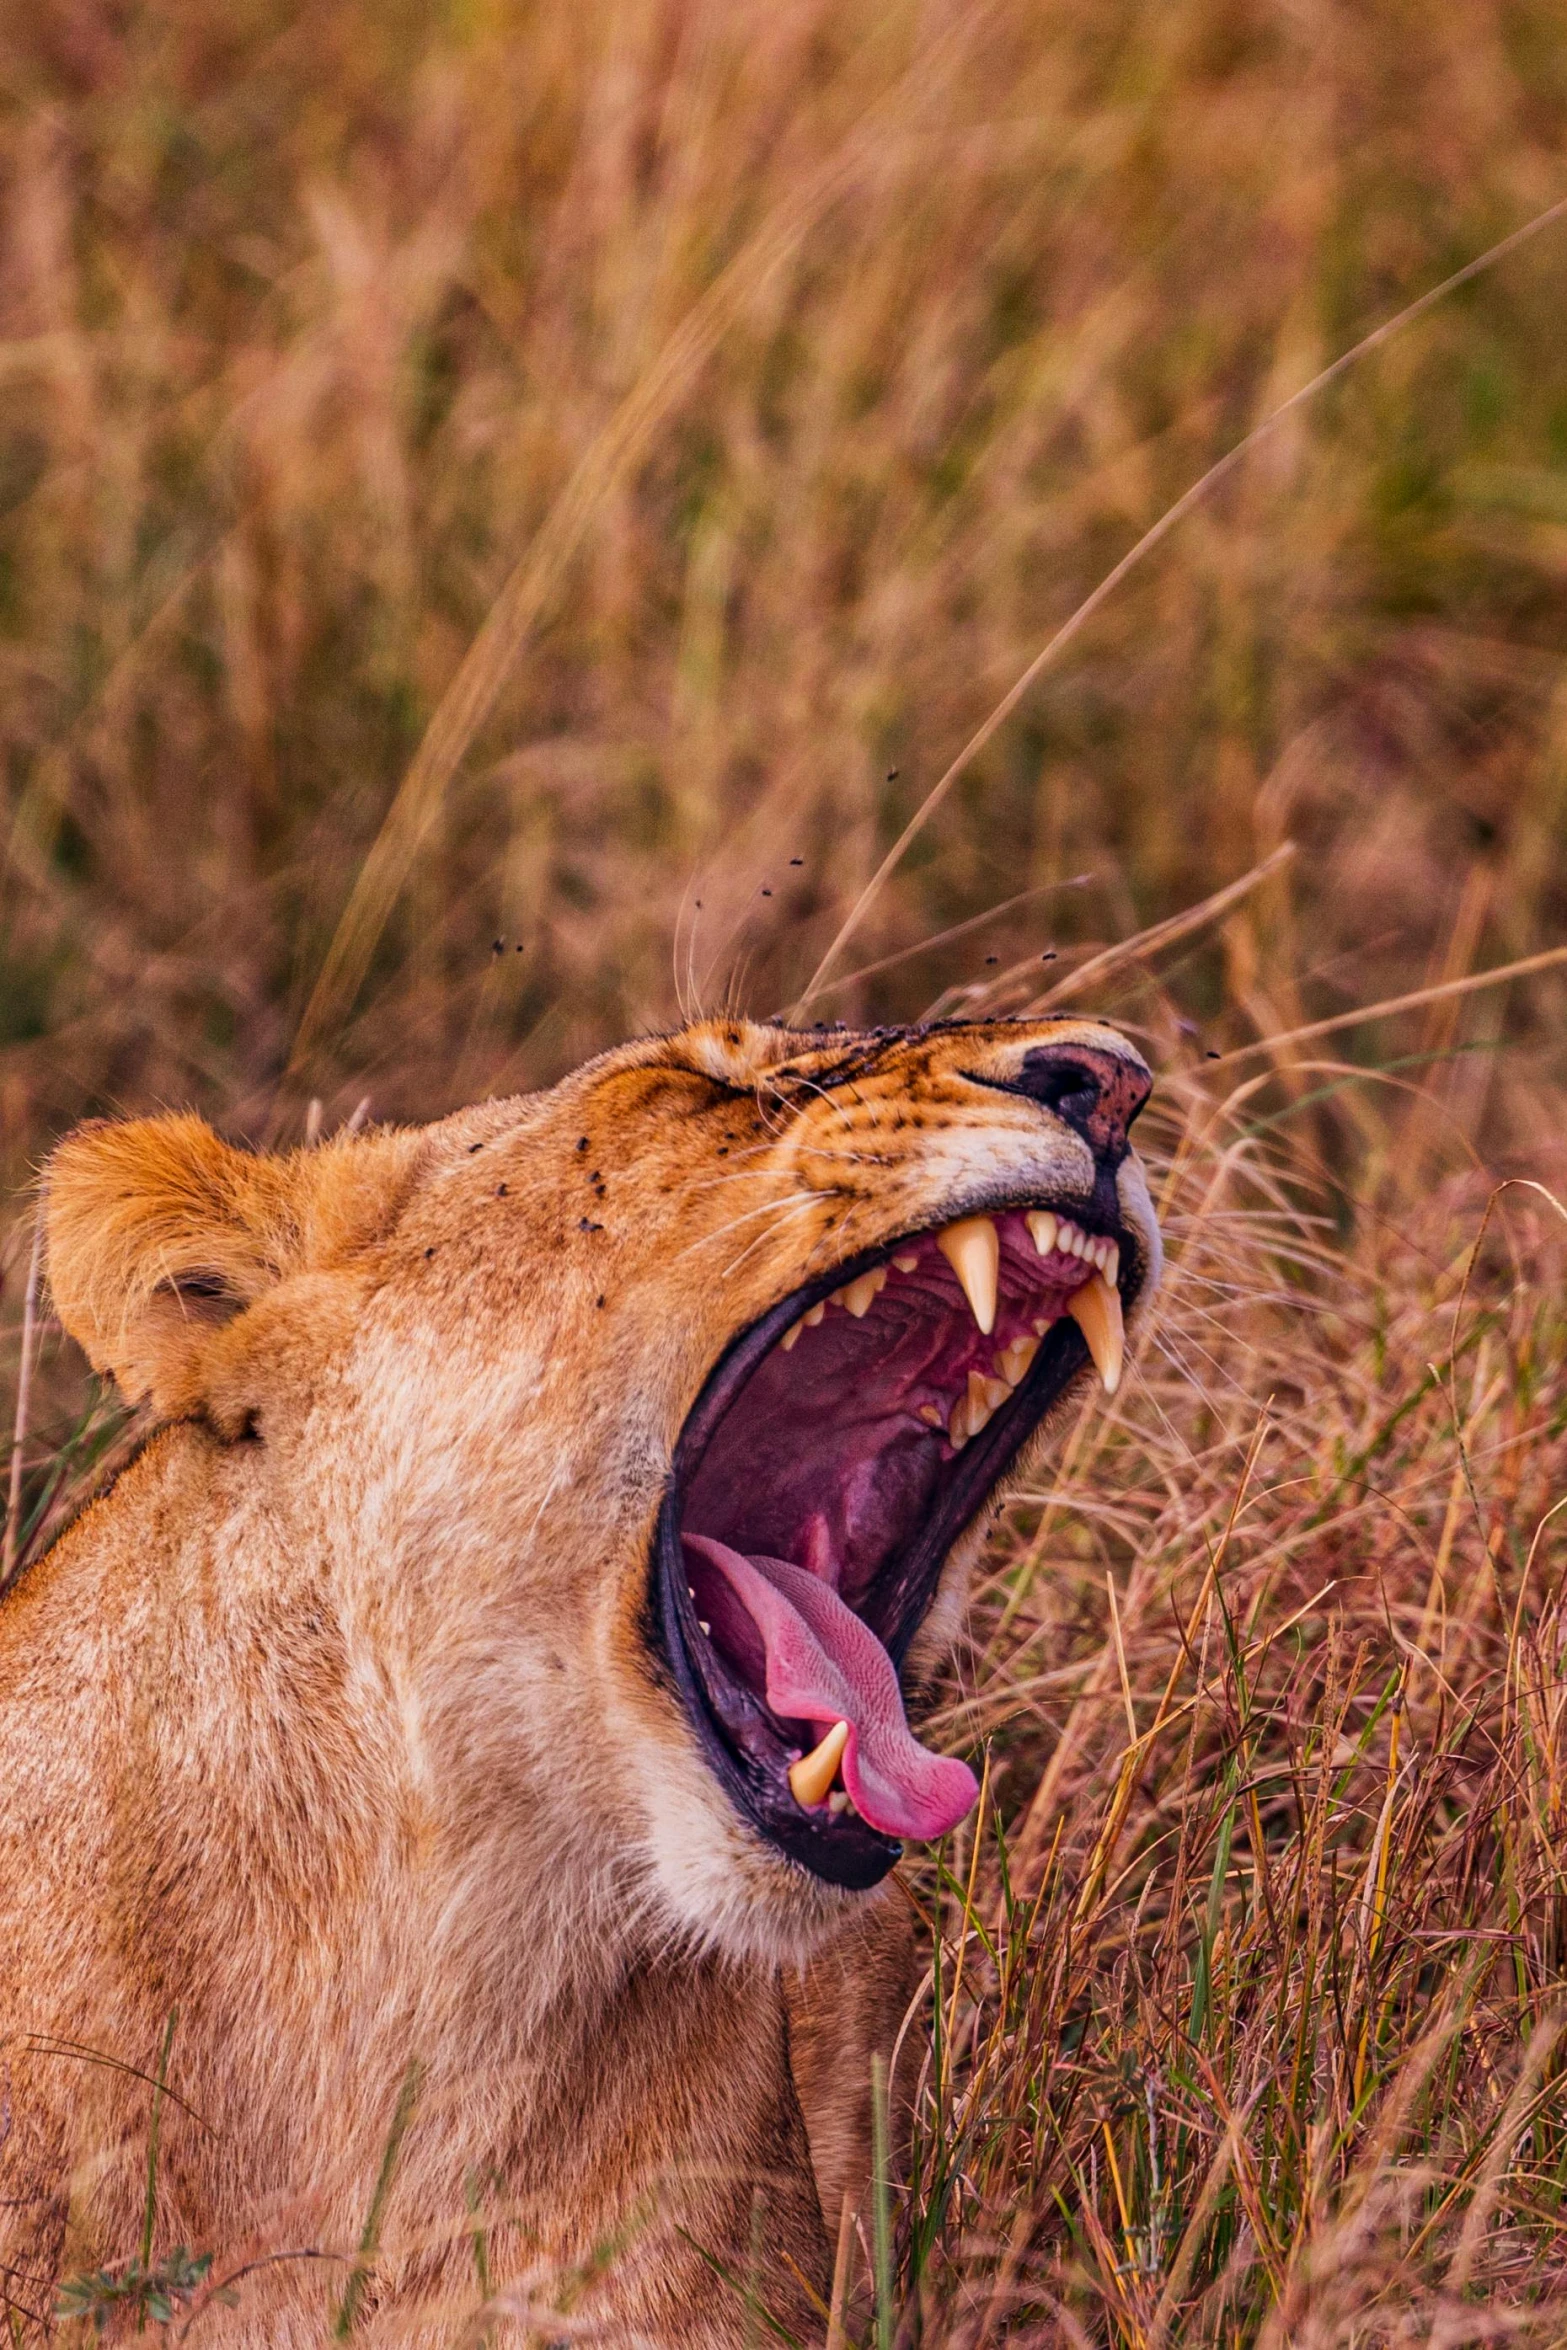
{"x": 335, "y": 1723}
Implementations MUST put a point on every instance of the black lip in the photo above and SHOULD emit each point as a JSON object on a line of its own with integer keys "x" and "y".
{"x": 845, "y": 1851}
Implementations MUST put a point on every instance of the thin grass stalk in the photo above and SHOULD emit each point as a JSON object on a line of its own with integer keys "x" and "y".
{"x": 24, "y": 1388}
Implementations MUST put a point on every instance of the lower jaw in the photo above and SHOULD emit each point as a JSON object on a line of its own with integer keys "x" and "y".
{"x": 843, "y": 1850}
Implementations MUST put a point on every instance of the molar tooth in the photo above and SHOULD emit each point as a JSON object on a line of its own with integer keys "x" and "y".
{"x": 1041, "y": 1325}
{"x": 1042, "y": 1226}
{"x": 957, "y": 1424}
{"x": 810, "y": 1320}
{"x": 1096, "y": 1309}
{"x": 930, "y": 1415}
{"x": 791, "y": 1336}
{"x": 906, "y": 1264}
{"x": 704, "y": 1628}
{"x": 859, "y": 1294}
{"x": 1014, "y": 1360}
{"x": 811, "y": 1778}
{"x": 973, "y": 1249}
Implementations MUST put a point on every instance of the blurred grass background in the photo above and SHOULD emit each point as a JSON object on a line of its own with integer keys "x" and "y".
{"x": 311, "y": 318}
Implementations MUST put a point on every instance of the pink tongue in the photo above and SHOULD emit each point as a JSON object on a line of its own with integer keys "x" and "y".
{"x": 825, "y": 1666}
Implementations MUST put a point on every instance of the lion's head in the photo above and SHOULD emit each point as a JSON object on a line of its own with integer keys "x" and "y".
{"x": 637, "y": 1434}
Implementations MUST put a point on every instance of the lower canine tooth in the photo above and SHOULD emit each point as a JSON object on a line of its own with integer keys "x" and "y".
{"x": 1096, "y": 1309}
{"x": 811, "y": 1778}
{"x": 972, "y": 1248}
{"x": 978, "y": 1401}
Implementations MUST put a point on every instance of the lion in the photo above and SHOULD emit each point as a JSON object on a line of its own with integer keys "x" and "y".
{"x": 465, "y": 1753}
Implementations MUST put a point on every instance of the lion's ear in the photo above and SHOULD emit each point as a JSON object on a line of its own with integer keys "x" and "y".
{"x": 159, "y": 1234}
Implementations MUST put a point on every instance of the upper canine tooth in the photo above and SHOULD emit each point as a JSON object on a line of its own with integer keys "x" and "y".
{"x": 973, "y": 1249}
{"x": 812, "y": 1776}
{"x": 858, "y": 1295}
{"x": 1096, "y": 1309}
{"x": 1042, "y": 1225}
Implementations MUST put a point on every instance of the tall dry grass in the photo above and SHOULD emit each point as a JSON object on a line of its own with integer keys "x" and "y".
{"x": 484, "y": 489}
{"x": 771, "y": 382}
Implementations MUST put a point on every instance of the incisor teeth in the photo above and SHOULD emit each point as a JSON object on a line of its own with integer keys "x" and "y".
{"x": 1113, "y": 1265}
{"x": 859, "y": 1294}
{"x": 811, "y": 1778}
{"x": 1042, "y": 1225}
{"x": 1096, "y": 1309}
{"x": 973, "y": 1249}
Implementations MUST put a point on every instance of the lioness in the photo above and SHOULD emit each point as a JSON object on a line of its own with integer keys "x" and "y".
{"x": 487, "y": 1683}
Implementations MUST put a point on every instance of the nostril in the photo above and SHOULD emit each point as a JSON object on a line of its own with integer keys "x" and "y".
{"x": 1072, "y": 1093}
{"x": 1097, "y": 1094}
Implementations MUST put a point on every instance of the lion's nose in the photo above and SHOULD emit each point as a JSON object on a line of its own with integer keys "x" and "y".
{"x": 1097, "y": 1094}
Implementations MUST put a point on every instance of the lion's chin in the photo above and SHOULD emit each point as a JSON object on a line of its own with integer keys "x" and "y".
{"x": 838, "y": 1452}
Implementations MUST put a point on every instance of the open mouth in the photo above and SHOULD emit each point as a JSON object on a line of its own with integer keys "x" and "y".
{"x": 836, "y": 1453}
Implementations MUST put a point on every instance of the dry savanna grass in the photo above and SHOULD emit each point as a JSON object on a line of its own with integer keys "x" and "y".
{"x": 505, "y": 513}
